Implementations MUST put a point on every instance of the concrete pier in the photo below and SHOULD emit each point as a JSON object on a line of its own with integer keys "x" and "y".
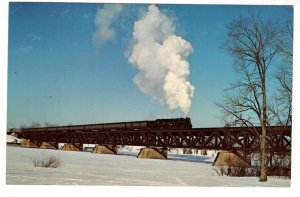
{"x": 105, "y": 149}
{"x": 28, "y": 143}
{"x": 47, "y": 145}
{"x": 227, "y": 158}
{"x": 152, "y": 153}
{"x": 72, "y": 147}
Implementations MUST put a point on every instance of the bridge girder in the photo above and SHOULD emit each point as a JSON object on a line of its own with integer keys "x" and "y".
{"x": 232, "y": 138}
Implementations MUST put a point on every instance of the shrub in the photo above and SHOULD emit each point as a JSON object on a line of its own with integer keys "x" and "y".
{"x": 280, "y": 166}
{"x": 46, "y": 162}
{"x": 221, "y": 171}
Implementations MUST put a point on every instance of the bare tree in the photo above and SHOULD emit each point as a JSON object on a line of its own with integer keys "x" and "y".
{"x": 280, "y": 108}
{"x": 285, "y": 43}
{"x": 35, "y": 125}
{"x": 23, "y": 126}
{"x": 47, "y": 124}
{"x": 251, "y": 42}
{"x": 32, "y": 125}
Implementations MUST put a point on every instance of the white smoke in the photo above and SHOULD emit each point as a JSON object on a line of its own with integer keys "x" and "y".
{"x": 161, "y": 58}
{"x": 103, "y": 21}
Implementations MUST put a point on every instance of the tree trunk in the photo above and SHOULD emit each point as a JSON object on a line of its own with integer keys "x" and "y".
{"x": 263, "y": 171}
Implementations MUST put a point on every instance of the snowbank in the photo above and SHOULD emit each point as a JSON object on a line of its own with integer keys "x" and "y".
{"x": 12, "y": 139}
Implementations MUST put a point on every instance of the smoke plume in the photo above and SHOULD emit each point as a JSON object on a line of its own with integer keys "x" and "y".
{"x": 161, "y": 58}
{"x": 103, "y": 21}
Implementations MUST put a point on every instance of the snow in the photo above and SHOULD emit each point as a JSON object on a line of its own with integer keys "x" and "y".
{"x": 84, "y": 168}
{"x": 12, "y": 139}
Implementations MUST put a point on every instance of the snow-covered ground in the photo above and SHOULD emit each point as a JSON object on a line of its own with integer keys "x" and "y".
{"x": 12, "y": 139}
{"x": 84, "y": 168}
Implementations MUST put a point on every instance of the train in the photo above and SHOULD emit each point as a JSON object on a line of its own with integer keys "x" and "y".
{"x": 158, "y": 124}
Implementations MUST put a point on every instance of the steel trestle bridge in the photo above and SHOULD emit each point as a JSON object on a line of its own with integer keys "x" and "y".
{"x": 246, "y": 139}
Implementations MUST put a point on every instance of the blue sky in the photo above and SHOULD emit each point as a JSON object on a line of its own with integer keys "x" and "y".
{"x": 57, "y": 74}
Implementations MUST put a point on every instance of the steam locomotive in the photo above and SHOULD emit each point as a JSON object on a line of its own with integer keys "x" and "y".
{"x": 158, "y": 124}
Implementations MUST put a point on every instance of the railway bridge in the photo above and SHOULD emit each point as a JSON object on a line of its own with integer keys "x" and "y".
{"x": 242, "y": 141}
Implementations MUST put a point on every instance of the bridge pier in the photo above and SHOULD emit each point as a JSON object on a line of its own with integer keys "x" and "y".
{"x": 72, "y": 147}
{"x": 153, "y": 153}
{"x": 29, "y": 144}
{"x": 105, "y": 149}
{"x": 47, "y": 145}
{"x": 232, "y": 159}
